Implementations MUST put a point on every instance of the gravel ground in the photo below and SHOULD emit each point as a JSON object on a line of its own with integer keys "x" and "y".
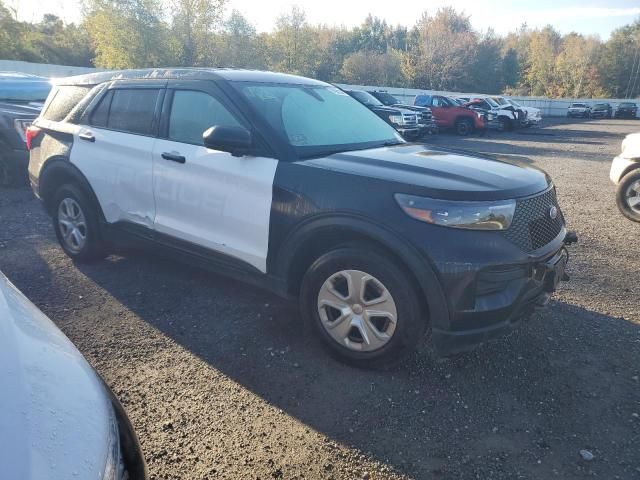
{"x": 222, "y": 381}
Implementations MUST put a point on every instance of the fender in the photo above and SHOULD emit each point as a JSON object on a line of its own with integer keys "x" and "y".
{"x": 58, "y": 170}
{"x": 283, "y": 262}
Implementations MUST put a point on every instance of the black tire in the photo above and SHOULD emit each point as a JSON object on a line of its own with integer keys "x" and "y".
{"x": 94, "y": 247}
{"x": 6, "y": 175}
{"x": 504, "y": 124}
{"x": 464, "y": 126}
{"x": 411, "y": 321}
{"x": 621, "y": 195}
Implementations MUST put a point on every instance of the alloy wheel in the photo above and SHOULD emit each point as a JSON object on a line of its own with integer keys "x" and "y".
{"x": 357, "y": 310}
{"x": 72, "y": 223}
{"x": 632, "y": 196}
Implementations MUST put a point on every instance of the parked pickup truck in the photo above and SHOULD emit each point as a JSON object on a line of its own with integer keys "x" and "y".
{"x": 450, "y": 114}
{"x": 601, "y": 110}
{"x": 21, "y": 99}
{"x": 404, "y": 121}
{"x": 579, "y": 110}
{"x": 426, "y": 122}
{"x": 533, "y": 116}
{"x": 626, "y": 110}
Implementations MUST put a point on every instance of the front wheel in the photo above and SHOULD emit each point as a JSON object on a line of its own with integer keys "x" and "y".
{"x": 464, "y": 126}
{"x": 76, "y": 223}
{"x": 364, "y": 307}
{"x": 628, "y": 195}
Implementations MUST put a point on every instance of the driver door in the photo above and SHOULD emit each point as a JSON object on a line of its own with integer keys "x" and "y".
{"x": 441, "y": 112}
{"x": 204, "y": 197}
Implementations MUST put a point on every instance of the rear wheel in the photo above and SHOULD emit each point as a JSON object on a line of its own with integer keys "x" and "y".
{"x": 363, "y": 306}
{"x": 628, "y": 195}
{"x": 76, "y": 224}
{"x": 464, "y": 126}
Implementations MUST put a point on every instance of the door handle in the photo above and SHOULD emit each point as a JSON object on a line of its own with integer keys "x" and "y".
{"x": 88, "y": 136}
{"x": 174, "y": 157}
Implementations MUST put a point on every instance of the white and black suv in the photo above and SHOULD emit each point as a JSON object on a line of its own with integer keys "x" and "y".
{"x": 293, "y": 185}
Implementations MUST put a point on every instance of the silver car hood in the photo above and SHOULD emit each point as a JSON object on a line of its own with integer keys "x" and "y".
{"x": 55, "y": 415}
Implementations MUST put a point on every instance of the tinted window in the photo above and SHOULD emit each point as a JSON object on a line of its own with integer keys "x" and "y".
{"x": 194, "y": 112}
{"x": 366, "y": 98}
{"x": 101, "y": 113}
{"x": 64, "y": 99}
{"x": 132, "y": 110}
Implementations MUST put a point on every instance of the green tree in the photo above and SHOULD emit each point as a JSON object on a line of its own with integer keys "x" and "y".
{"x": 373, "y": 68}
{"x": 193, "y": 29}
{"x": 617, "y": 59}
{"x": 238, "y": 44}
{"x": 128, "y": 33}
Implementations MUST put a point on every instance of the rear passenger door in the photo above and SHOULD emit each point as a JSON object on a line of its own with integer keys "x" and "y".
{"x": 207, "y": 197}
{"x": 114, "y": 147}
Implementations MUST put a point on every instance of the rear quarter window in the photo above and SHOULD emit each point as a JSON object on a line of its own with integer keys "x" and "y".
{"x": 65, "y": 97}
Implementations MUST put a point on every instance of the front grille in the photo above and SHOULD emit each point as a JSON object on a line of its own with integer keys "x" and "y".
{"x": 409, "y": 119}
{"x": 532, "y": 225}
{"x": 426, "y": 117}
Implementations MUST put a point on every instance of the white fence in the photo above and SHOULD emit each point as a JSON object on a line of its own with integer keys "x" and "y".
{"x": 550, "y": 107}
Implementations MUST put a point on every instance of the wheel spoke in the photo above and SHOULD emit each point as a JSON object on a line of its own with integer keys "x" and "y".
{"x": 633, "y": 201}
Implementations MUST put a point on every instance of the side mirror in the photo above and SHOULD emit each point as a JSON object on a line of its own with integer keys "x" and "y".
{"x": 235, "y": 140}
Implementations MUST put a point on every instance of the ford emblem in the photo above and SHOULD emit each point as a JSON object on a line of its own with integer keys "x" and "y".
{"x": 553, "y": 213}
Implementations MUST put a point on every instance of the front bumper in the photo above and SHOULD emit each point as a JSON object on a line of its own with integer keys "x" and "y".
{"x": 619, "y": 167}
{"x": 428, "y": 128}
{"x": 533, "y": 121}
{"x": 502, "y": 310}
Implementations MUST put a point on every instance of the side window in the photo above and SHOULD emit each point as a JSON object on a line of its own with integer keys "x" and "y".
{"x": 132, "y": 110}
{"x": 101, "y": 113}
{"x": 437, "y": 102}
{"x": 193, "y": 112}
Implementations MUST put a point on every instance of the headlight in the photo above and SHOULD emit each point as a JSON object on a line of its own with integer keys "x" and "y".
{"x": 113, "y": 468}
{"x": 491, "y": 116}
{"x": 397, "y": 119}
{"x": 496, "y": 215}
{"x": 21, "y": 126}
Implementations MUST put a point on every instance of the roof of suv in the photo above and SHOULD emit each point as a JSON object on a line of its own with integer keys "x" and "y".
{"x": 189, "y": 74}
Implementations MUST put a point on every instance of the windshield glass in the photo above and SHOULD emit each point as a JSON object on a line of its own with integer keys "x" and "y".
{"x": 514, "y": 103}
{"x": 24, "y": 90}
{"x": 578, "y": 105}
{"x": 500, "y": 100}
{"x": 366, "y": 98}
{"x": 386, "y": 98}
{"x": 317, "y": 120}
{"x": 627, "y": 104}
{"x": 600, "y": 105}
{"x": 491, "y": 102}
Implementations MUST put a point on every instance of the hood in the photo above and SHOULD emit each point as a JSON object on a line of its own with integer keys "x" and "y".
{"x": 20, "y": 110}
{"x": 56, "y": 416}
{"x": 413, "y": 108}
{"x": 440, "y": 173}
{"x": 385, "y": 109}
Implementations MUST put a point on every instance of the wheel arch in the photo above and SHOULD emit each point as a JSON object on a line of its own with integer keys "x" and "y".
{"x": 58, "y": 171}
{"x": 322, "y": 234}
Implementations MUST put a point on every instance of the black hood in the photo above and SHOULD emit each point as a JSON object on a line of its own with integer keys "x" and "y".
{"x": 383, "y": 109}
{"x": 20, "y": 110}
{"x": 439, "y": 173}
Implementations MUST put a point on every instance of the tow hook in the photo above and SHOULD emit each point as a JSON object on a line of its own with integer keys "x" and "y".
{"x": 570, "y": 238}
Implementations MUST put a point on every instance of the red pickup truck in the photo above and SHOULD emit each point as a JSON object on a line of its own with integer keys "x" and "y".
{"x": 449, "y": 114}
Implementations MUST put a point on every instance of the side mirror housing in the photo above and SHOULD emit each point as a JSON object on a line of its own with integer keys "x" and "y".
{"x": 235, "y": 140}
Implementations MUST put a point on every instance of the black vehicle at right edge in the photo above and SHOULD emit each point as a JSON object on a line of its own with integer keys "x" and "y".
{"x": 289, "y": 183}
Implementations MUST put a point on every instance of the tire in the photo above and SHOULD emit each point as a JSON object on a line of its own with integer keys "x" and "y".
{"x": 6, "y": 175}
{"x": 628, "y": 184}
{"x": 464, "y": 126}
{"x": 504, "y": 124}
{"x": 389, "y": 341}
{"x": 81, "y": 237}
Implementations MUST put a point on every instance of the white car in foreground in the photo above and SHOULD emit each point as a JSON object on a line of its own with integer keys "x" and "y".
{"x": 625, "y": 173}
{"x": 58, "y": 420}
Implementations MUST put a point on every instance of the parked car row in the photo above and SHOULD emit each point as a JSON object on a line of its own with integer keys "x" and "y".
{"x": 602, "y": 110}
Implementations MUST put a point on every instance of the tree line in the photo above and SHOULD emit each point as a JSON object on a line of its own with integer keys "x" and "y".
{"x": 441, "y": 51}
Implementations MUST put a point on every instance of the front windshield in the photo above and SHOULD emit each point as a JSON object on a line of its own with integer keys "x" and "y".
{"x": 578, "y": 105}
{"x": 386, "y": 98}
{"x": 366, "y": 98}
{"x": 492, "y": 102}
{"x": 627, "y": 104}
{"x": 500, "y": 100}
{"x": 24, "y": 90}
{"x": 317, "y": 120}
{"x": 514, "y": 103}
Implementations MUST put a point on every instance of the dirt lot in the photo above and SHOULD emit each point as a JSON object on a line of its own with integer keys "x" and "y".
{"x": 221, "y": 380}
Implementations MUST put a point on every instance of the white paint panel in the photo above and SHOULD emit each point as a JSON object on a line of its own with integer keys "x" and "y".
{"x": 119, "y": 167}
{"x": 215, "y": 200}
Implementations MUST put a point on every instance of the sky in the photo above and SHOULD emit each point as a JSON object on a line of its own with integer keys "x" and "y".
{"x": 598, "y": 17}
